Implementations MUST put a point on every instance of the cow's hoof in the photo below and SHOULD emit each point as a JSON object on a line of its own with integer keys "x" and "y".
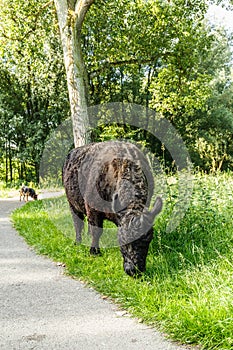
{"x": 95, "y": 251}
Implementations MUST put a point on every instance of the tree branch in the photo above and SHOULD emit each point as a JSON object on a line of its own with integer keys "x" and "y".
{"x": 81, "y": 8}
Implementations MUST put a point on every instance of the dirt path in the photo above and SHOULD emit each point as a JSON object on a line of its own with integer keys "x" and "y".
{"x": 40, "y": 308}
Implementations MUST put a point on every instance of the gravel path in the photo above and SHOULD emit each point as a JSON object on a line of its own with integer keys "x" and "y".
{"x": 40, "y": 308}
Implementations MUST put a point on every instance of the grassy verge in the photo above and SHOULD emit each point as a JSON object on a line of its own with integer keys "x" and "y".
{"x": 188, "y": 286}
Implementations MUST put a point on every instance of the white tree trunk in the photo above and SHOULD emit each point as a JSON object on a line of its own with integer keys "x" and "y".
{"x": 70, "y": 18}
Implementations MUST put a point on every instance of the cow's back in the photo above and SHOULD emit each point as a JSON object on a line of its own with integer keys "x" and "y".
{"x": 92, "y": 174}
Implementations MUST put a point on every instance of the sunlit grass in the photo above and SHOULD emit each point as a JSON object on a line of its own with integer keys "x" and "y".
{"x": 188, "y": 285}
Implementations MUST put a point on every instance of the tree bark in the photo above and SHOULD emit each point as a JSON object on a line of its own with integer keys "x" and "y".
{"x": 71, "y": 15}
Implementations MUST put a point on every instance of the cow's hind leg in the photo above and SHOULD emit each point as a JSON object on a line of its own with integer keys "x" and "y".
{"x": 78, "y": 218}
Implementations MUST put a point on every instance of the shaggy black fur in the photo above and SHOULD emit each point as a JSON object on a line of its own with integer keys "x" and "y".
{"x": 112, "y": 180}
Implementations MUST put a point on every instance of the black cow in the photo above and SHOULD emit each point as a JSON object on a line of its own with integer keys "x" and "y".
{"x": 112, "y": 180}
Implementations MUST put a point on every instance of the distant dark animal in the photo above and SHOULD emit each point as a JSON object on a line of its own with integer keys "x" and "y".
{"x": 112, "y": 180}
{"x": 25, "y": 192}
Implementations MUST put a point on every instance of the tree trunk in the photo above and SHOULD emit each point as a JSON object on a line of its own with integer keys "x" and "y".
{"x": 70, "y": 18}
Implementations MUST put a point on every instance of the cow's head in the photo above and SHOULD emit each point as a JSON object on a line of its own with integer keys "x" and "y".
{"x": 135, "y": 234}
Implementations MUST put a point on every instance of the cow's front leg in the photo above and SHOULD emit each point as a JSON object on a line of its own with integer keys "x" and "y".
{"x": 95, "y": 228}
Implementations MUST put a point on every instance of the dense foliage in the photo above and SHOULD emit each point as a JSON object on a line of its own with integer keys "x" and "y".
{"x": 160, "y": 54}
{"x": 33, "y": 97}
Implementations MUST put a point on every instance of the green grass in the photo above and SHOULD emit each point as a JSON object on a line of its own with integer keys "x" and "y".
{"x": 188, "y": 286}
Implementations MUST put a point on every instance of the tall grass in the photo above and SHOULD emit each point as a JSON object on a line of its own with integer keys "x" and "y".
{"x": 188, "y": 285}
